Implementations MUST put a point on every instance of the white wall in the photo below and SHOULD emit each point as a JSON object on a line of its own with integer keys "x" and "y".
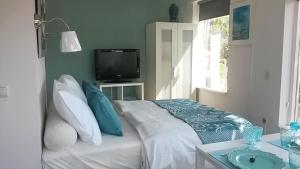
{"x": 267, "y": 46}
{"x": 237, "y": 98}
{"x": 289, "y": 63}
{"x": 255, "y": 76}
{"x": 21, "y": 113}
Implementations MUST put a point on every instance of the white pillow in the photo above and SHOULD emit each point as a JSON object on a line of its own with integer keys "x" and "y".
{"x": 77, "y": 113}
{"x": 73, "y": 85}
{"x": 58, "y": 133}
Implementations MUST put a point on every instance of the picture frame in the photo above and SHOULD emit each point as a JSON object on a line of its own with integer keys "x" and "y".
{"x": 40, "y": 10}
{"x": 241, "y": 22}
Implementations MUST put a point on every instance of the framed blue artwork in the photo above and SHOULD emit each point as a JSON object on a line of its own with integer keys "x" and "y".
{"x": 240, "y": 13}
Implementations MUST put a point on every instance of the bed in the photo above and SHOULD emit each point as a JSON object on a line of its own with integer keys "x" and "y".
{"x": 170, "y": 129}
{"x": 154, "y": 138}
{"x": 114, "y": 153}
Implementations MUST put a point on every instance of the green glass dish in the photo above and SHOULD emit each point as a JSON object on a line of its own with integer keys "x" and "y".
{"x": 255, "y": 159}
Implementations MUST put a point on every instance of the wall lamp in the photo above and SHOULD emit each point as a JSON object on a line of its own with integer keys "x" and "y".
{"x": 68, "y": 42}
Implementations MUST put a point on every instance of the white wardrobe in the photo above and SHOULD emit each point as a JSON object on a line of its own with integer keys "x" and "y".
{"x": 170, "y": 52}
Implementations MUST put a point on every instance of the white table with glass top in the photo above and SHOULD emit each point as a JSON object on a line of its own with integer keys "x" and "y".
{"x": 203, "y": 151}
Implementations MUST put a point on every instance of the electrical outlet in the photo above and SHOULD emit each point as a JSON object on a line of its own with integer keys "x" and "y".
{"x": 267, "y": 75}
{"x": 4, "y": 91}
{"x": 264, "y": 120}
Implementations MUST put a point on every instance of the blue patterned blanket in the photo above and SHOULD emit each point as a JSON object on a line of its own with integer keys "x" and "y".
{"x": 210, "y": 124}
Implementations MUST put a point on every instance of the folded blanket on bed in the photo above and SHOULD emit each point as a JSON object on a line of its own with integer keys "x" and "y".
{"x": 210, "y": 124}
{"x": 168, "y": 143}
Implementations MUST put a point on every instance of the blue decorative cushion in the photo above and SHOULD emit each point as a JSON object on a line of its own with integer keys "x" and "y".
{"x": 106, "y": 116}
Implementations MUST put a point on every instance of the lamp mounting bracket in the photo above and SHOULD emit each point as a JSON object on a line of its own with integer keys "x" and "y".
{"x": 39, "y": 20}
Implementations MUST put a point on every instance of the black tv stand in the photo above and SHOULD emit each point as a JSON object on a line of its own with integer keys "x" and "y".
{"x": 118, "y": 81}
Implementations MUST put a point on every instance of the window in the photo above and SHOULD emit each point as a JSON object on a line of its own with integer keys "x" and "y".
{"x": 214, "y": 52}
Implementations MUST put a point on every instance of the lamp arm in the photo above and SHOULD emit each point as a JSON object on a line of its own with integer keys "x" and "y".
{"x": 57, "y": 19}
{"x": 38, "y": 21}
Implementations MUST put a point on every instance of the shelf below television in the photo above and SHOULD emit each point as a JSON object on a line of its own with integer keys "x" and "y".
{"x": 123, "y": 91}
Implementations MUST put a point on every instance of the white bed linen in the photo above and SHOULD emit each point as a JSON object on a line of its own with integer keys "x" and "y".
{"x": 114, "y": 153}
{"x": 168, "y": 143}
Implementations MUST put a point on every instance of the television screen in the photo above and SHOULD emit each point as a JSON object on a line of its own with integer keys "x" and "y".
{"x": 117, "y": 64}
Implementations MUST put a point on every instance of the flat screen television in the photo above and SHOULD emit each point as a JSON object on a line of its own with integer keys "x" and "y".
{"x": 117, "y": 65}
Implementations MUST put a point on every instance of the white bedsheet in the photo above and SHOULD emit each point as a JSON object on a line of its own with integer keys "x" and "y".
{"x": 168, "y": 143}
{"x": 114, "y": 153}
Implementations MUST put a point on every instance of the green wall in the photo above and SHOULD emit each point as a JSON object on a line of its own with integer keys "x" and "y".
{"x": 99, "y": 24}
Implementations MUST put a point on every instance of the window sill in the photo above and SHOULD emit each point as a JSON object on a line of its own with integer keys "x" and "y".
{"x": 213, "y": 90}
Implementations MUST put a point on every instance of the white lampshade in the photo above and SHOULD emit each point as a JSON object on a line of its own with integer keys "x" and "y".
{"x": 69, "y": 42}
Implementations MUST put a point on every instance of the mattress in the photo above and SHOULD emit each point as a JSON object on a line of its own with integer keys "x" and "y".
{"x": 114, "y": 153}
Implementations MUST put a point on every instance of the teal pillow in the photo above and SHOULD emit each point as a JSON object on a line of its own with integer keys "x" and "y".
{"x": 106, "y": 116}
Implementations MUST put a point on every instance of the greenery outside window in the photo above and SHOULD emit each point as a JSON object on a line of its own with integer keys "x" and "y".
{"x": 214, "y": 53}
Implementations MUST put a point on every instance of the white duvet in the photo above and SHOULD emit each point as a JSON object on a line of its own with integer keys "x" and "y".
{"x": 168, "y": 143}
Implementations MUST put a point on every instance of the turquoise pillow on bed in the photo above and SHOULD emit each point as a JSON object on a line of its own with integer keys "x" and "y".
{"x": 106, "y": 116}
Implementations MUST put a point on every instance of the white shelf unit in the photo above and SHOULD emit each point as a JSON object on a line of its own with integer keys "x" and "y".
{"x": 123, "y": 91}
{"x": 171, "y": 51}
